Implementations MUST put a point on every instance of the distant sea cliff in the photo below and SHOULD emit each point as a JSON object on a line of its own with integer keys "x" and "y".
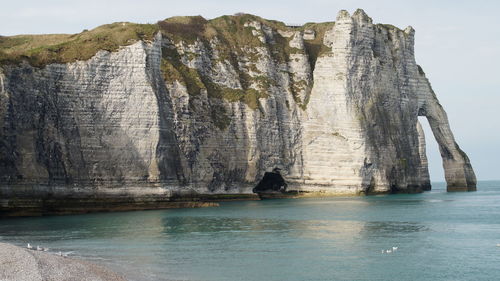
{"x": 196, "y": 110}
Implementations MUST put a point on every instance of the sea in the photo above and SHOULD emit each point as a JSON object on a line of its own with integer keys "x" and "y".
{"x": 429, "y": 236}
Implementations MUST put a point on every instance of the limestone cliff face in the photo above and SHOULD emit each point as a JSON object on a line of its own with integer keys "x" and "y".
{"x": 362, "y": 117}
{"x": 335, "y": 106}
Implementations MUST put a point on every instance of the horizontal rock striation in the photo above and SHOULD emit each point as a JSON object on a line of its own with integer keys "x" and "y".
{"x": 207, "y": 107}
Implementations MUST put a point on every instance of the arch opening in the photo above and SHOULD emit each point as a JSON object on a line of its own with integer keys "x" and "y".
{"x": 434, "y": 160}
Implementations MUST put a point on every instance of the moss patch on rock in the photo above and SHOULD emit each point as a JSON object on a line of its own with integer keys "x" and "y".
{"x": 316, "y": 48}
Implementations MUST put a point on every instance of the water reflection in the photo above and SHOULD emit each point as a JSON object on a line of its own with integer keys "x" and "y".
{"x": 59, "y": 231}
{"x": 310, "y": 229}
{"x": 207, "y": 225}
{"x": 308, "y": 239}
{"x": 392, "y": 228}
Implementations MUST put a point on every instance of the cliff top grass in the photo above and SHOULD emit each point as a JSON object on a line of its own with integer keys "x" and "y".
{"x": 233, "y": 30}
{"x": 40, "y": 50}
{"x": 315, "y": 48}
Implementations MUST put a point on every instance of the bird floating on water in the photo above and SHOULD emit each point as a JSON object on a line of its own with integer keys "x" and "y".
{"x": 389, "y": 251}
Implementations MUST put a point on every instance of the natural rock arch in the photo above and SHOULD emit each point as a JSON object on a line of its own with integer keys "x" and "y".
{"x": 458, "y": 171}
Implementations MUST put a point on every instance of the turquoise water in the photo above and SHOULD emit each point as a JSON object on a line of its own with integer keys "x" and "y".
{"x": 439, "y": 235}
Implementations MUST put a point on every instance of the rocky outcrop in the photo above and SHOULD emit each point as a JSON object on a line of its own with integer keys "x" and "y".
{"x": 208, "y": 107}
{"x": 362, "y": 117}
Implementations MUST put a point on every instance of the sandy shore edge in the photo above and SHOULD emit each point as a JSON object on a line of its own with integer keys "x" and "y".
{"x": 22, "y": 264}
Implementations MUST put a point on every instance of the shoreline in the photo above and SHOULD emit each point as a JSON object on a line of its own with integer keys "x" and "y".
{"x": 112, "y": 200}
{"x": 99, "y": 203}
{"x": 92, "y": 203}
{"x": 17, "y": 263}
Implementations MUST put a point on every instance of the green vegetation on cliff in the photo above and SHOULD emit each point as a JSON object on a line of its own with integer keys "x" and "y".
{"x": 232, "y": 31}
{"x": 40, "y": 50}
{"x": 233, "y": 41}
{"x": 238, "y": 42}
{"x": 315, "y": 48}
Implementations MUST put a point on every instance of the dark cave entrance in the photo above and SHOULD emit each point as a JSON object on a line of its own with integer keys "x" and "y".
{"x": 271, "y": 182}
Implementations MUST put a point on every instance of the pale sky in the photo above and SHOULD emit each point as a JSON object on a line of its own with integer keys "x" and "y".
{"x": 457, "y": 45}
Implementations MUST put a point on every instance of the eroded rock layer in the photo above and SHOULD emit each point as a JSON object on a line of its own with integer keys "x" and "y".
{"x": 209, "y": 106}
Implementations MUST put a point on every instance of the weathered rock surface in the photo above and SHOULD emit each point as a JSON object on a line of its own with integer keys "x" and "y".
{"x": 211, "y": 115}
{"x": 18, "y": 264}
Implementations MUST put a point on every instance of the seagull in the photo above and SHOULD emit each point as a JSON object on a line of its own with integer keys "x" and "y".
{"x": 394, "y": 248}
{"x": 38, "y": 248}
{"x": 59, "y": 254}
{"x": 388, "y": 251}
{"x": 498, "y": 245}
{"x": 29, "y": 246}
{"x": 45, "y": 249}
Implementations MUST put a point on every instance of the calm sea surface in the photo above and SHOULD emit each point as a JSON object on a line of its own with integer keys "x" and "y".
{"x": 439, "y": 235}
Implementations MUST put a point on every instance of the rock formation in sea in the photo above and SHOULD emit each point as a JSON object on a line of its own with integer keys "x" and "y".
{"x": 196, "y": 106}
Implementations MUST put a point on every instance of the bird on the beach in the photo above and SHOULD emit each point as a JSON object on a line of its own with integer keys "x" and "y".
{"x": 59, "y": 254}
{"x": 45, "y": 249}
{"x": 38, "y": 248}
{"x": 29, "y": 246}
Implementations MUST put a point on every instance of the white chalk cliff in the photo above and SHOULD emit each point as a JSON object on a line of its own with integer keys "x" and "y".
{"x": 211, "y": 115}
